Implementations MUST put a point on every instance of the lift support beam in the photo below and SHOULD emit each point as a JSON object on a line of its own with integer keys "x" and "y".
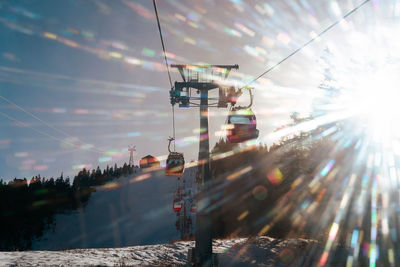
{"x": 202, "y": 255}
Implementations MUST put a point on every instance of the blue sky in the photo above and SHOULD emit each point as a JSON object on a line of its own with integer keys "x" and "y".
{"x": 88, "y": 77}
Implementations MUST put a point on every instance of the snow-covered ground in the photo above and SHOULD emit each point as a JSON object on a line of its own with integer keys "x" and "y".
{"x": 259, "y": 251}
{"x": 133, "y": 210}
{"x": 131, "y": 222}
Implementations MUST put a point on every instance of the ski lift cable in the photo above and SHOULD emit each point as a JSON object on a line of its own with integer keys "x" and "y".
{"x": 45, "y": 123}
{"x": 162, "y": 42}
{"x": 310, "y": 41}
{"x": 173, "y": 125}
{"x": 167, "y": 66}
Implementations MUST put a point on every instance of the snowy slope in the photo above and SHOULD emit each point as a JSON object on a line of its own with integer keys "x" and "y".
{"x": 260, "y": 251}
{"x": 133, "y": 210}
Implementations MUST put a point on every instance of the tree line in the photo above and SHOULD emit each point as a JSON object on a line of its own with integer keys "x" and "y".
{"x": 28, "y": 208}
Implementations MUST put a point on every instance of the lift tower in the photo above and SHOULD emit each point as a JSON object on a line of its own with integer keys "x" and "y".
{"x": 131, "y": 149}
{"x": 203, "y": 78}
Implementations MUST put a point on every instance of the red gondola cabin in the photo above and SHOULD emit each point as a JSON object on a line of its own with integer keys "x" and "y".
{"x": 242, "y": 126}
{"x": 193, "y": 208}
{"x": 175, "y": 164}
{"x": 177, "y": 206}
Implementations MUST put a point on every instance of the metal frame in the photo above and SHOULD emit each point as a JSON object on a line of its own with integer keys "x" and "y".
{"x": 181, "y": 94}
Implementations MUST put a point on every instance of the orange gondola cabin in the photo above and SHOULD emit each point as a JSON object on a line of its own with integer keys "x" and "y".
{"x": 149, "y": 162}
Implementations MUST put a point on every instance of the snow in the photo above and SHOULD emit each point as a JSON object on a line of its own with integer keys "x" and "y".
{"x": 258, "y": 251}
{"x": 131, "y": 222}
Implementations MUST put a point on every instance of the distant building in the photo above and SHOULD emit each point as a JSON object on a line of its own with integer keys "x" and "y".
{"x": 18, "y": 182}
{"x": 149, "y": 162}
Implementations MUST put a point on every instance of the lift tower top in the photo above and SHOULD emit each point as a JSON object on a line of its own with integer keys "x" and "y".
{"x": 202, "y": 78}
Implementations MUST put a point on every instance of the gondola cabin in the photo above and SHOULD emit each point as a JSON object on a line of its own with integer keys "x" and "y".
{"x": 175, "y": 164}
{"x": 193, "y": 208}
{"x": 177, "y": 206}
{"x": 149, "y": 162}
{"x": 242, "y": 126}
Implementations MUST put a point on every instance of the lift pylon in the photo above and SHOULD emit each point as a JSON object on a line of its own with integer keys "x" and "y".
{"x": 203, "y": 78}
{"x": 131, "y": 150}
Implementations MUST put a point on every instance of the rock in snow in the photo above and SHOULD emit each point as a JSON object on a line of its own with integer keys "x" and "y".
{"x": 257, "y": 251}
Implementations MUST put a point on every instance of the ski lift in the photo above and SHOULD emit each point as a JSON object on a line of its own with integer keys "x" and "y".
{"x": 242, "y": 124}
{"x": 175, "y": 164}
{"x": 177, "y": 206}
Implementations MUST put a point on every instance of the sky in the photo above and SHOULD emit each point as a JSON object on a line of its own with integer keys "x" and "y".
{"x": 80, "y": 81}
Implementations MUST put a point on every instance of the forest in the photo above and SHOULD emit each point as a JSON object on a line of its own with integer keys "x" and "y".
{"x": 27, "y": 209}
{"x": 251, "y": 189}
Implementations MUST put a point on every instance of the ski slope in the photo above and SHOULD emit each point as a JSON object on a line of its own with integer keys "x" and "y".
{"x": 132, "y": 210}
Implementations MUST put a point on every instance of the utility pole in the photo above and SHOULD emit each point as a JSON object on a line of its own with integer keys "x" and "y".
{"x": 202, "y": 79}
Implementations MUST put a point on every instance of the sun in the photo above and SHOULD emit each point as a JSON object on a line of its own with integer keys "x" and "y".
{"x": 375, "y": 102}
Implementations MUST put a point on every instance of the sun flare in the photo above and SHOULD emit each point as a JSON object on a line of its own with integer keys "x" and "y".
{"x": 375, "y": 103}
